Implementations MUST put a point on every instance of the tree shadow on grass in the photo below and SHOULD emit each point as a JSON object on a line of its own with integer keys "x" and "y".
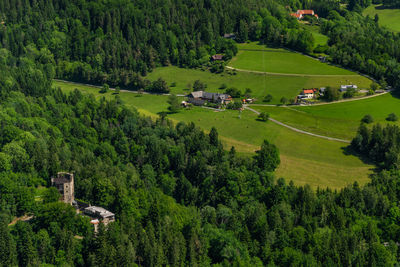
{"x": 395, "y": 94}
{"x": 348, "y": 150}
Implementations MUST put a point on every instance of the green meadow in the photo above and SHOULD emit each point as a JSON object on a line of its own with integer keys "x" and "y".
{"x": 340, "y": 120}
{"x": 272, "y": 60}
{"x": 319, "y": 38}
{"x": 389, "y": 18}
{"x": 304, "y": 159}
{"x": 260, "y": 84}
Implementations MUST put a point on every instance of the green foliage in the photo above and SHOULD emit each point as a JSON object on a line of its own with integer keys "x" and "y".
{"x": 105, "y": 88}
{"x": 263, "y": 116}
{"x": 179, "y": 198}
{"x": 199, "y": 85}
{"x": 234, "y": 105}
{"x": 51, "y": 195}
{"x": 174, "y": 104}
{"x": 331, "y": 94}
{"x": 350, "y": 92}
{"x": 158, "y": 86}
{"x": 392, "y": 117}
{"x": 367, "y": 119}
{"x": 233, "y": 92}
{"x": 267, "y": 158}
{"x": 267, "y": 98}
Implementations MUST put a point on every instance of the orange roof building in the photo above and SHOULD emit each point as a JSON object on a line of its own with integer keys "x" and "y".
{"x": 300, "y": 13}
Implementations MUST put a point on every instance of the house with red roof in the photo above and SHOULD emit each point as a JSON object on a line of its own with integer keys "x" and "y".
{"x": 301, "y": 13}
{"x": 308, "y": 93}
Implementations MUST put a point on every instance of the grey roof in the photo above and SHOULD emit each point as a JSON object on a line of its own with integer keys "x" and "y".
{"x": 98, "y": 211}
{"x": 210, "y": 96}
{"x": 60, "y": 180}
{"x": 197, "y": 94}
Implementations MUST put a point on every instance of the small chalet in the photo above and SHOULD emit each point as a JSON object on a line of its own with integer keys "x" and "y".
{"x": 217, "y": 57}
{"x": 301, "y": 13}
{"x": 99, "y": 215}
{"x": 344, "y": 88}
{"x": 198, "y": 98}
{"x": 307, "y": 93}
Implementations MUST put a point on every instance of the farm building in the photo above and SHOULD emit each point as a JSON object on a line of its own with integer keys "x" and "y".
{"x": 198, "y": 98}
{"x": 217, "y": 57}
{"x": 301, "y": 13}
{"x": 307, "y": 93}
{"x": 99, "y": 215}
{"x": 344, "y": 88}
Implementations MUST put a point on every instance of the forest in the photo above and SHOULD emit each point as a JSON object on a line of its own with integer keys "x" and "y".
{"x": 180, "y": 199}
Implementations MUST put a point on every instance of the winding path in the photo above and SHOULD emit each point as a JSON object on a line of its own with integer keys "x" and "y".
{"x": 290, "y": 74}
{"x": 298, "y": 130}
{"x": 252, "y": 110}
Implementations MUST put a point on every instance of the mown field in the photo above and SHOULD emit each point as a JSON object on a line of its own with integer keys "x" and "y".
{"x": 339, "y": 120}
{"x": 305, "y": 159}
{"x": 389, "y": 18}
{"x": 250, "y": 57}
{"x": 260, "y": 84}
{"x": 319, "y": 38}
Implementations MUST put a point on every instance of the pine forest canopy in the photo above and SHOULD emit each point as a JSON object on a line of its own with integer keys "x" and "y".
{"x": 180, "y": 199}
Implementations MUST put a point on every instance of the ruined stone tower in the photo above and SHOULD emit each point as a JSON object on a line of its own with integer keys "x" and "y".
{"x": 64, "y": 182}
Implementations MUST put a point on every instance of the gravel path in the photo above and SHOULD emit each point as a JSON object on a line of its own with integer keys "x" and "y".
{"x": 300, "y": 131}
{"x": 121, "y": 90}
{"x": 290, "y": 74}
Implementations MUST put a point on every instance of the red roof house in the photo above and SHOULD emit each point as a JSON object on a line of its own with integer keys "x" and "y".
{"x": 300, "y": 13}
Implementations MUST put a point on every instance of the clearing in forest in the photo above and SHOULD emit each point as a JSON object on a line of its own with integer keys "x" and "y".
{"x": 304, "y": 159}
{"x": 260, "y": 84}
{"x": 389, "y": 18}
{"x": 282, "y": 61}
{"x": 340, "y": 120}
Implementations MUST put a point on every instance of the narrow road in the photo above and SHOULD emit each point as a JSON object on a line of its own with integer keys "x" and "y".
{"x": 300, "y": 131}
{"x": 113, "y": 89}
{"x": 329, "y": 103}
{"x": 290, "y": 74}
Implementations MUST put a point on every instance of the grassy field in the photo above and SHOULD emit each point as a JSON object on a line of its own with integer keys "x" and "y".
{"x": 319, "y": 38}
{"x": 260, "y": 84}
{"x": 339, "y": 120}
{"x": 389, "y": 18}
{"x": 304, "y": 159}
{"x": 281, "y": 61}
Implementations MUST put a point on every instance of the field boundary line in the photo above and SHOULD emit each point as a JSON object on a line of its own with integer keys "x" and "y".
{"x": 113, "y": 89}
{"x": 300, "y": 131}
{"x": 326, "y": 103}
{"x": 290, "y": 74}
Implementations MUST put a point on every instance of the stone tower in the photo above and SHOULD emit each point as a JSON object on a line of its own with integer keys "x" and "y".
{"x": 65, "y": 185}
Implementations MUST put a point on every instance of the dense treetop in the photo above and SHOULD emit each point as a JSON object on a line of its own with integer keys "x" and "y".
{"x": 180, "y": 199}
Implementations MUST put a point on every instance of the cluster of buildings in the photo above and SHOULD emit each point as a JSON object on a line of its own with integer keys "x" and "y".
{"x": 314, "y": 92}
{"x": 301, "y": 13}
{"x": 64, "y": 182}
{"x": 344, "y": 88}
{"x": 199, "y": 98}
